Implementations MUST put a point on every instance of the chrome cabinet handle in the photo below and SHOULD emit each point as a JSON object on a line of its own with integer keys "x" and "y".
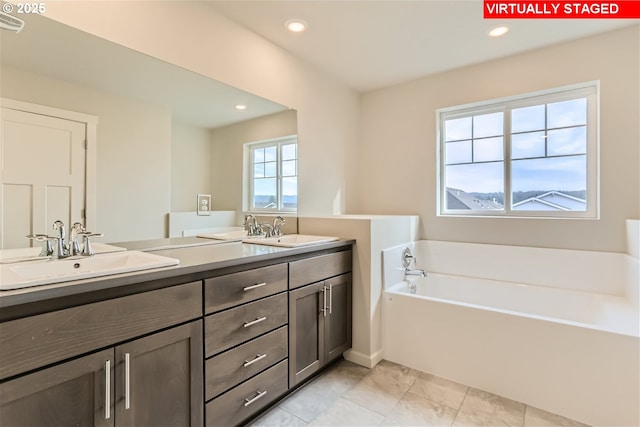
{"x": 248, "y": 401}
{"x": 107, "y": 390}
{"x": 330, "y": 297}
{"x": 253, "y": 322}
{"x": 324, "y": 301}
{"x": 254, "y": 360}
{"x": 127, "y": 381}
{"x": 259, "y": 285}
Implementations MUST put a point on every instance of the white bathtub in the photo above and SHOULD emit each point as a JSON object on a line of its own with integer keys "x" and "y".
{"x": 569, "y": 350}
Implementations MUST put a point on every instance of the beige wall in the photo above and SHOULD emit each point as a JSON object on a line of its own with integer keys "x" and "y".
{"x": 190, "y": 166}
{"x": 397, "y": 152}
{"x": 206, "y": 42}
{"x": 133, "y": 176}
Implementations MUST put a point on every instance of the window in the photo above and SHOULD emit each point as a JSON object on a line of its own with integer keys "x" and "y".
{"x": 534, "y": 155}
{"x": 273, "y": 175}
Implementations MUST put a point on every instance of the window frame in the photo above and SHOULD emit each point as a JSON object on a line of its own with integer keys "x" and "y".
{"x": 249, "y": 148}
{"x": 588, "y": 90}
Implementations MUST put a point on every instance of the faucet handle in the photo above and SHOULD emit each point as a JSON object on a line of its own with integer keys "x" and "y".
{"x": 47, "y": 248}
{"x": 87, "y": 249}
{"x": 407, "y": 258}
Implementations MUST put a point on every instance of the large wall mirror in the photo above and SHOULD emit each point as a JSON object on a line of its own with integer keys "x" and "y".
{"x": 163, "y": 134}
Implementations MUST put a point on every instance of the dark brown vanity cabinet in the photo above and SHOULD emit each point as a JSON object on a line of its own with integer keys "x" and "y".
{"x": 319, "y": 313}
{"x": 149, "y": 381}
{"x": 246, "y": 352}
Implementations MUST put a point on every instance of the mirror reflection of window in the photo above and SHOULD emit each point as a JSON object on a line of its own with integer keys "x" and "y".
{"x": 273, "y": 175}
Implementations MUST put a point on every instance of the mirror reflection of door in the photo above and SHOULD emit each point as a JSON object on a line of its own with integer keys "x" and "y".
{"x": 43, "y": 160}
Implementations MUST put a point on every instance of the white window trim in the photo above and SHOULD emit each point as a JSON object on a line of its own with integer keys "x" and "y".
{"x": 591, "y": 91}
{"x": 248, "y": 167}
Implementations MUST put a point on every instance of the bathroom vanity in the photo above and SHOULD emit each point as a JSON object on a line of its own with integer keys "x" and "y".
{"x": 213, "y": 341}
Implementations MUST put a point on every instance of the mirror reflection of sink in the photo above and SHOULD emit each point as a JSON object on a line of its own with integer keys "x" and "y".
{"x": 234, "y": 235}
{"x": 290, "y": 240}
{"x": 25, "y": 254}
{"x": 34, "y": 273}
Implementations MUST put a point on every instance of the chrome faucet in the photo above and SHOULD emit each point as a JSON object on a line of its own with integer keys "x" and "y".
{"x": 407, "y": 259}
{"x": 278, "y": 222}
{"x": 253, "y": 228}
{"x": 74, "y": 246}
{"x": 61, "y": 250}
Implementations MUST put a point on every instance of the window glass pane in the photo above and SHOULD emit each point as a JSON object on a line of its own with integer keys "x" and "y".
{"x": 289, "y": 168}
{"x": 458, "y": 152}
{"x": 258, "y": 155}
{"x": 478, "y": 186}
{"x": 289, "y": 151}
{"x": 525, "y": 145}
{"x": 527, "y": 119}
{"x": 550, "y": 184}
{"x": 270, "y": 169}
{"x": 457, "y": 129}
{"x": 567, "y": 141}
{"x": 488, "y": 125}
{"x": 290, "y": 193}
{"x": 270, "y": 154}
{"x": 258, "y": 170}
{"x": 567, "y": 113}
{"x": 265, "y": 193}
{"x": 488, "y": 149}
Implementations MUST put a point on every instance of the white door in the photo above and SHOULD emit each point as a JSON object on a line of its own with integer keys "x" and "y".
{"x": 42, "y": 160}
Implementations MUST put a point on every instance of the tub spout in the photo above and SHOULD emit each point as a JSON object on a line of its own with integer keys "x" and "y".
{"x": 414, "y": 272}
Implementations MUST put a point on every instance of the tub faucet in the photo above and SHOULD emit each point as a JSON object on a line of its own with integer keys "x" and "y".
{"x": 415, "y": 272}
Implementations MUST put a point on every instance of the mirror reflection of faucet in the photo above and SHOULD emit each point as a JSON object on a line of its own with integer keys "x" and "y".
{"x": 57, "y": 247}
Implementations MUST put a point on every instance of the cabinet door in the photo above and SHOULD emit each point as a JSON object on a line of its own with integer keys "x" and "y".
{"x": 160, "y": 379}
{"x": 338, "y": 320}
{"x": 75, "y": 393}
{"x": 306, "y": 332}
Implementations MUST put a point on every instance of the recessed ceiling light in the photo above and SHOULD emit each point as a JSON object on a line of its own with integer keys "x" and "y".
{"x": 498, "y": 31}
{"x": 241, "y": 107}
{"x": 296, "y": 25}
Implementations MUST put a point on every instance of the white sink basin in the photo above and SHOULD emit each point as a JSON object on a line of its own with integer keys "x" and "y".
{"x": 34, "y": 273}
{"x": 290, "y": 240}
{"x": 24, "y": 254}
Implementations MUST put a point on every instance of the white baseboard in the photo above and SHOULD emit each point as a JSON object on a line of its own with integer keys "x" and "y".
{"x": 368, "y": 361}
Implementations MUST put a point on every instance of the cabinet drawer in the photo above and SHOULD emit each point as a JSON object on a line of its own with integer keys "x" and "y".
{"x": 235, "y": 366}
{"x": 248, "y": 398}
{"x": 237, "y": 288}
{"x": 229, "y": 328}
{"x": 310, "y": 270}
{"x": 47, "y": 338}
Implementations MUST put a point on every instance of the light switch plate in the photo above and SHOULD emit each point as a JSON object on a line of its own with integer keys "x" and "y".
{"x": 204, "y": 204}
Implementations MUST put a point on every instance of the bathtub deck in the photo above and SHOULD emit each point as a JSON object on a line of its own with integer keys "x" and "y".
{"x": 392, "y": 394}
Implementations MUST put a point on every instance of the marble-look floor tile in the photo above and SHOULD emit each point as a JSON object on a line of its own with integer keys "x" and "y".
{"x": 308, "y": 402}
{"x": 534, "y": 417}
{"x": 345, "y": 413}
{"x": 481, "y": 408}
{"x": 341, "y": 377}
{"x": 439, "y": 390}
{"x": 278, "y": 418}
{"x": 382, "y": 387}
{"x": 414, "y": 410}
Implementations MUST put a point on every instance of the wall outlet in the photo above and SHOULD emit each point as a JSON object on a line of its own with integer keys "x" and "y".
{"x": 203, "y": 204}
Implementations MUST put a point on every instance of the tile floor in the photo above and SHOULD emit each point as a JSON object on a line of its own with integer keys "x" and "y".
{"x": 394, "y": 395}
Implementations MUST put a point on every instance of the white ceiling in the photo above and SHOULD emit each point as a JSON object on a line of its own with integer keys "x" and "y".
{"x": 373, "y": 44}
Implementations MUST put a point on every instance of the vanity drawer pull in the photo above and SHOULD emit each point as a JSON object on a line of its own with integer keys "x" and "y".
{"x": 254, "y": 322}
{"x": 107, "y": 390}
{"x": 258, "y": 396}
{"x": 254, "y": 360}
{"x": 259, "y": 285}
